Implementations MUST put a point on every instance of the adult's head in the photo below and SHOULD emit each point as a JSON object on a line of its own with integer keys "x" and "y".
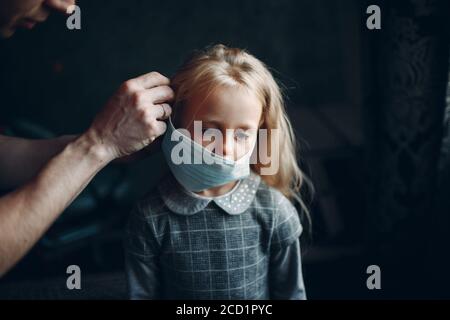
{"x": 27, "y": 13}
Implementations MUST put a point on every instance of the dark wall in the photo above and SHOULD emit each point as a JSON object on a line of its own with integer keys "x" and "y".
{"x": 60, "y": 78}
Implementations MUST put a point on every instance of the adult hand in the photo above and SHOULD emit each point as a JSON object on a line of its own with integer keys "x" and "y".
{"x": 133, "y": 117}
{"x": 131, "y": 120}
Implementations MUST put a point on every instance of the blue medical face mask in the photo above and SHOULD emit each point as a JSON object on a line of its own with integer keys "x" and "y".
{"x": 195, "y": 167}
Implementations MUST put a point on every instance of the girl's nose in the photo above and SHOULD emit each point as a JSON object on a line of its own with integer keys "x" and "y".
{"x": 228, "y": 145}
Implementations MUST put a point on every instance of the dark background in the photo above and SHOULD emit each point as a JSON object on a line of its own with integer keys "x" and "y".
{"x": 367, "y": 105}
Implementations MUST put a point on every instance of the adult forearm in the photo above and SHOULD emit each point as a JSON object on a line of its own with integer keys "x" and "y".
{"x": 21, "y": 159}
{"x": 27, "y": 213}
{"x": 131, "y": 119}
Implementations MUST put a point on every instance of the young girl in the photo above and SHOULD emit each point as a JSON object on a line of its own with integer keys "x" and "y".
{"x": 220, "y": 230}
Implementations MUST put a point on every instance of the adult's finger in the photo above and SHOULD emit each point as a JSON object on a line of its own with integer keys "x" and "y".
{"x": 157, "y": 95}
{"x": 159, "y": 128}
{"x": 160, "y": 94}
{"x": 151, "y": 80}
{"x": 161, "y": 111}
{"x": 60, "y": 5}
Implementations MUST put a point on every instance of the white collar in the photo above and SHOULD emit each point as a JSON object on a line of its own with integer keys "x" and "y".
{"x": 182, "y": 201}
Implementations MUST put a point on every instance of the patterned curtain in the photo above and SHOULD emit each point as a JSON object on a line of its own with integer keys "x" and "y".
{"x": 405, "y": 129}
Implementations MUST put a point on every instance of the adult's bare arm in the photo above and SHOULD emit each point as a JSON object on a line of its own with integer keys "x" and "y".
{"x": 21, "y": 159}
{"x": 130, "y": 121}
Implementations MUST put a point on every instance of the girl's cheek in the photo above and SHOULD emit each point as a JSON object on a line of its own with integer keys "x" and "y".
{"x": 212, "y": 146}
{"x": 242, "y": 148}
{"x": 251, "y": 142}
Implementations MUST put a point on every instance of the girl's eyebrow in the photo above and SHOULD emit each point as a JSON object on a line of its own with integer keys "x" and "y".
{"x": 219, "y": 124}
{"x": 213, "y": 122}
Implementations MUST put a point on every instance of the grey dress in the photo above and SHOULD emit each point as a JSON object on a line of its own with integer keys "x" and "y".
{"x": 241, "y": 245}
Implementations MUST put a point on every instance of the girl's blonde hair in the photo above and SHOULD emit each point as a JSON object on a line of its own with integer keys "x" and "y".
{"x": 220, "y": 65}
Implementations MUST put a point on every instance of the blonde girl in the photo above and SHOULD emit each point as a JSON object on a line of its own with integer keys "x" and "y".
{"x": 225, "y": 227}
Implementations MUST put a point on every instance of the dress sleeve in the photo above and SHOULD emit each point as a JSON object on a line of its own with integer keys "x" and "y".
{"x": 285, "y": 270}
{"x": 286, "y": 278}
{"x": 287, "y": 226}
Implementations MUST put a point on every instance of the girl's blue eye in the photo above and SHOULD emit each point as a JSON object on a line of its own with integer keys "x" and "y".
{"x": 241, "y": 135}
{"x": 210, "y": 132}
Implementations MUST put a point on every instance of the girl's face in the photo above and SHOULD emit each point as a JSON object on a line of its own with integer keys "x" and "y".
{"x": 232, "y": 112}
